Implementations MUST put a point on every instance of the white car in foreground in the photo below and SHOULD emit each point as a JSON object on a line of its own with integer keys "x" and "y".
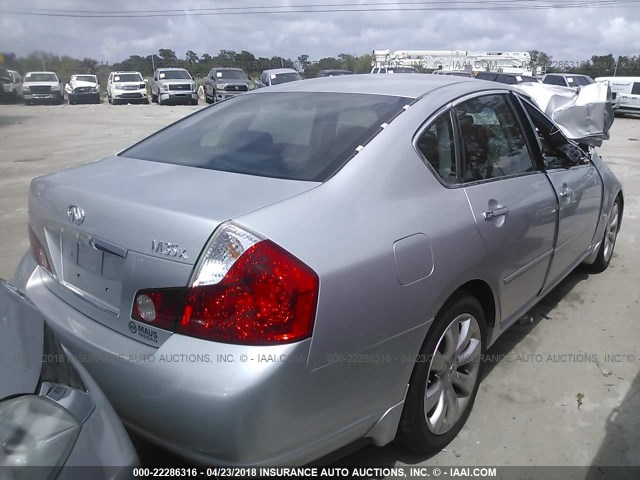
{"x": 126, "y": 87}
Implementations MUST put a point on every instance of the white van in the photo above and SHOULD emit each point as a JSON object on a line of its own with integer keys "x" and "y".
{"x": 625, "y": 92}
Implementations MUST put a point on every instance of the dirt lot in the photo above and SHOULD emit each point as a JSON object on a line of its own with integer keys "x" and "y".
{"x": 563, "y": 390}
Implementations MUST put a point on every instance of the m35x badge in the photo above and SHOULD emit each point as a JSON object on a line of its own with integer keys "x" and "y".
{"x": 168, "y": 249}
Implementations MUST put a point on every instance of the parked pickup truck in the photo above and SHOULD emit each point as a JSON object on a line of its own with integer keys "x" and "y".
{"x": 222, "y": 83}
{"x": 41, "y": 86}
{"x": 173, "y": 85}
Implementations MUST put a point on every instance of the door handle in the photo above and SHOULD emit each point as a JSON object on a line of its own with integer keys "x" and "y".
{"x": 565, "y": 191}
{"x": 499, "y": 211}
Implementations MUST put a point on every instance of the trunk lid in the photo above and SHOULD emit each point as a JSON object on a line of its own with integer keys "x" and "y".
{"x": 120, "y": 225}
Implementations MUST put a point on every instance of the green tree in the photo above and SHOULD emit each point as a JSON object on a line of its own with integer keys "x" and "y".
{"x": 88, "y": 65}
{"x": 540, "y": 61}
{"x": 363, "y": 64}
{"x": 192, "y": 57}
{"x": 168, "y": 58}
{"x": 347, "y": 61}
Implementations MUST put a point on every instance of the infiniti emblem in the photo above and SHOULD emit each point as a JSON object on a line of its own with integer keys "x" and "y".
{"x": 75, "y": 214}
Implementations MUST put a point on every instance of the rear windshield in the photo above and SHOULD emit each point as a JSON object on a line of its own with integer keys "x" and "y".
{"x": 297, "y": 136}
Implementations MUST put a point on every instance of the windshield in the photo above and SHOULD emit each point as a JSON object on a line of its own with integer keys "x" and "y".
{"x": 231, "y": 75}
{"x": 297, "y": 136}
{"x": 40, "y": 77}
{"x": 579, "y": 81}
{"x": 127, "y": 77}
{"x": 279, "y": 78}
{"x": 85, "y": 78}
{"x": 403, "y": 70}
{"x": 175, "y": 74}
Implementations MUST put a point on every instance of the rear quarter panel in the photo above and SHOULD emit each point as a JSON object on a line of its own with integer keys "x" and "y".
{"x": 345, "y": 230}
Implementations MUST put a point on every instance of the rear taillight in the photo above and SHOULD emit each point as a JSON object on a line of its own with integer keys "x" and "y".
{"x": 245, "y": 289}
{"x": 38, "y": 251}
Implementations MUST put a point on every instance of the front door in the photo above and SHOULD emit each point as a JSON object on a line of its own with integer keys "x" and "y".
{"x": 512, "y": 200}
{"x": 578, "y": 188}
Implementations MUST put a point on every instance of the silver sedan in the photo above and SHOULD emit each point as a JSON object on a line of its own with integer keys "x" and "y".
{"x": 305, "y": 266}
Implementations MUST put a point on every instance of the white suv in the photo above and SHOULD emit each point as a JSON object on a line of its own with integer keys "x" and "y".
{"x": 126, "y": 87}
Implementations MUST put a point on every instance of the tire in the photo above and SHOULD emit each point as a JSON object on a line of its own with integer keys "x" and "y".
{"x": 194, "y": 102}
{"x": 443, "y": 373}
{"x": 206, "y": 98}
{"x": 109, "y": 99}
{"x": 605, "y": 252}
{"x": 154, "y": 97}
{"x": 160, "y": 100}
{"x": 28, "y": 102}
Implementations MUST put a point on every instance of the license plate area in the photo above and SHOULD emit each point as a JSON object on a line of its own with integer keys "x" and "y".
{"x": 95, "y": 274}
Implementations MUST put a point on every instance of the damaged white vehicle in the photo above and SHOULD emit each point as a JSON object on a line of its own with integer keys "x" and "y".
{"x": 83, "y": 88}
{"x": 584, "y": 115}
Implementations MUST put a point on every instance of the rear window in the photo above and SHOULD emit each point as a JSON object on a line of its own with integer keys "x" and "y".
{"x": 579, "y": 81}
{"x": 297, "y": 136}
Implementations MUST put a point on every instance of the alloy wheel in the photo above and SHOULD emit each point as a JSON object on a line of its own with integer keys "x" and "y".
{"x": 453, "y": 374}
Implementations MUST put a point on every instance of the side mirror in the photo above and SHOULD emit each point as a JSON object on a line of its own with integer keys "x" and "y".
{"x": 146, "y": 80}
{"x": 571, "y": 155}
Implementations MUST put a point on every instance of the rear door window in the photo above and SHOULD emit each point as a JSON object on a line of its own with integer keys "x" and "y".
{"x": 437, "y": 146}
{"x": 635, "y": 89}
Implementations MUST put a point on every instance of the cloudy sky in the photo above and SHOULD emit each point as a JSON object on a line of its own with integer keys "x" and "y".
{"x": 567, "y": 34}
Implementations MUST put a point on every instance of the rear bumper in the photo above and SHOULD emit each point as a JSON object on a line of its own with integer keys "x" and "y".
{"x": 215, "y": 403}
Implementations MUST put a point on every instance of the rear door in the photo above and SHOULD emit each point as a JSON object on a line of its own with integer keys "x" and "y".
{"x": 578, "y": 187}
{"x": 512, "y": 200}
